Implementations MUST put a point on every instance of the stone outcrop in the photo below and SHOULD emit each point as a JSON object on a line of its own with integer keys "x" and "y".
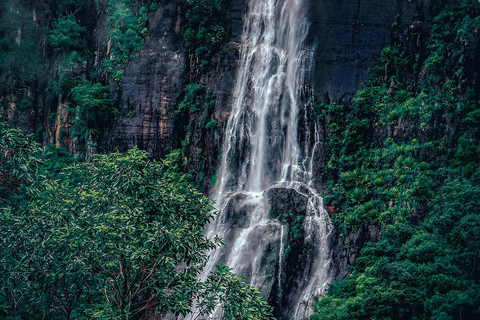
{"x": 150, "y": 91}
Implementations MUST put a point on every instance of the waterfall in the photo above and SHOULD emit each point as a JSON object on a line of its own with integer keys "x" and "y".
{"x": 262, "y": 152}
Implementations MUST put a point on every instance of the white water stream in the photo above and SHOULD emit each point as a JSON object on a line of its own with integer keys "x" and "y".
{"x": 262, "y": 151}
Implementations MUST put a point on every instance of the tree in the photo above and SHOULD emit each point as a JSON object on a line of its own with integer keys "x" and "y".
{"x": 429, "y": 271}
{"x": 118, "y": 238}
{"x": 19, "y": 159}
{"x": 66, "y": 35}
{"x": 224, "y": 296}
{"x": 94, "y": 104}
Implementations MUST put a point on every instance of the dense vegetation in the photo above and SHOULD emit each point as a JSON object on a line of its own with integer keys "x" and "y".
{"x": 205, "y": 35}
{"x": 120, "y": 237}
{"x": 50, "y": 60}
{"x": 405, "y": 156}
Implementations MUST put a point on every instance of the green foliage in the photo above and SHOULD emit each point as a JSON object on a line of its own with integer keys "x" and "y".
{"x": 208, "y": 121}
{"x": 126, "y": 35}
{"x": 67, "y": 35}
{"x": 213, "y": 180}
{"x": 63, "y": 86}
{"x": 116, "y": 228}
{"x": 54, "y": 161}
{"x": 194, "y": 99}
{"x": 19, "y": 159}
{"x": 120, "y": 237}
{"x": 237, "y": 300}
{"x": 398, "y": 161}
{"x": 197, "y": 99}
{"x": 429, "y": 271}
{"x": 211, "y": 125}
{"x": 94, "y": 103}
{"x": 205, "y": 35}
{"x": 453, "y": 29}
{"x": 26, "y": 103}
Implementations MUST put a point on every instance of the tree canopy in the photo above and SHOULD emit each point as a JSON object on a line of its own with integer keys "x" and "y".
{"x": 120, "y": 237}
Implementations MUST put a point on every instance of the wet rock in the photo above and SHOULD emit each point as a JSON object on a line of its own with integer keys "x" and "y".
{"x": 238, "y": 212}
{"x": 252, "y": 242}
{"x": 286, "y": 202}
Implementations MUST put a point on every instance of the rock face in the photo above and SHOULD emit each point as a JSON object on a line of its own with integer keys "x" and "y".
{"x": 150, "y": 91}
{"x": 289, "y": 207}
{"x": 154, "y": 84}
{"x": 347, "y": 37}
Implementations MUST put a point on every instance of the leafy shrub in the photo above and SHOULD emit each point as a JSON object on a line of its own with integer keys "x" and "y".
{"x": 211, "y": 125}
{"x": 126, "y": 35}
{"x": 416, "y": 272}
{"x": 194, "y": 100}
{"x": 19, "y": 159}
{"x": 206, "y": 33}
{"x": 67, "y": 35}
{"x": 94, "y": 102}
{"x": 420, "y": 186}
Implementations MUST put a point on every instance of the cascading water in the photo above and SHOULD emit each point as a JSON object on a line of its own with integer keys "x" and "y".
{"x": 262, "y": 152}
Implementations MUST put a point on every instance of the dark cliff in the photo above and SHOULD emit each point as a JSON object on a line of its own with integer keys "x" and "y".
{"x": 148, "y": 95}
{"x": 347, "y": 37}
